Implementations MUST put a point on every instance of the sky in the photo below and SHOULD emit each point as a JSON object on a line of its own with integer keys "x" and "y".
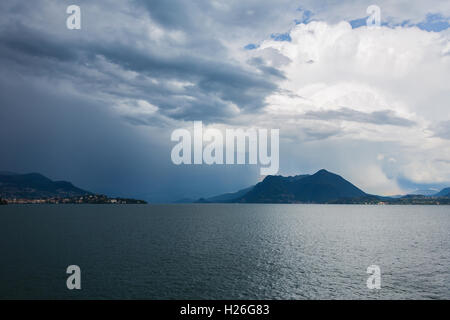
{"x": 97, "y": 106}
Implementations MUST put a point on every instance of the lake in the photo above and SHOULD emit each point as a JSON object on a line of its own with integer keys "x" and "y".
{"x": 225, "y": 251}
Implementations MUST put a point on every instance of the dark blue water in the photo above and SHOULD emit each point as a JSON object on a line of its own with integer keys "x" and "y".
{"x": 225, "y": 251}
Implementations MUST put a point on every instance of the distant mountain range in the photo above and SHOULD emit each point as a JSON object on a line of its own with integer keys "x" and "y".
{"x": 321, "y": 187}
{"x": 36, "y": 188}
{"x": 425, "y": 192}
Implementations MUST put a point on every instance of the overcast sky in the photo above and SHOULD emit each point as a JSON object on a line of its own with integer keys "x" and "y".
{"x": 97, "y": 106}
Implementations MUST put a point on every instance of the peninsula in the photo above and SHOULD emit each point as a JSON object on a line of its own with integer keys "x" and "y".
{"x": 34, "y": 188}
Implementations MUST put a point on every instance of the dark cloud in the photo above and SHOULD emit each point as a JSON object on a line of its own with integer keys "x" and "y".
{"x": 233, "y": 14}
{"x": 20, "y": 39}
{"x": 61, "y": 92}
{"x": 213, "y": 81}
{"x": 383, "y": 117}
{"x": 66, "y": 136}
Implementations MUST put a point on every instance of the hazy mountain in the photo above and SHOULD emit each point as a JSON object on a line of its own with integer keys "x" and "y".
{"x": 35, "y": 186}
{"x": 227, "y": 197}
{"x": 443, "y": 193}
{"x": 424, "y": 192}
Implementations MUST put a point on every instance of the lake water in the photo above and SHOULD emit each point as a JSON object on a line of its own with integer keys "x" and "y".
{"x": 230, "y": 251}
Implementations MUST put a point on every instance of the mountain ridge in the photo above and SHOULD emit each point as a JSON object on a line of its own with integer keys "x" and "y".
{"x": 36, "y": 186}
{"x": 443, "y": 193}
{"x": 321, "y": 187}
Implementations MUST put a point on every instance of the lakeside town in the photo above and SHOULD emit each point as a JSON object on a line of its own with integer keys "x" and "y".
{"x": 87, "y": 199}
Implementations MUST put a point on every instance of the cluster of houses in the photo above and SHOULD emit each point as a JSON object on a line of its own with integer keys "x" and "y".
{"x": 87, "y": 199}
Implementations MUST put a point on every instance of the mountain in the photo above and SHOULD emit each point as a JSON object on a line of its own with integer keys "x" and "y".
{"x": 321, "y": 187}
{"x": 424, "y": 192}
{"x": 443, "y": 193}
{"x": 227, "y": 197}
{"x": 36, "y": 186}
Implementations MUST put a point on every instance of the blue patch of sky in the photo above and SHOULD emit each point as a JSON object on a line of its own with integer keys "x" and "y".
{"x": 281, "y": 36}
{"x": 251, "y": 46}
{"x": 358, "y": 22}
{"x": 306, "y": 16}
{"x": 433, "y": 22}
{"x": 361, "y": 22}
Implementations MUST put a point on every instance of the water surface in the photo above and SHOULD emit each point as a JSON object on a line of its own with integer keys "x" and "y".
{"x": 231, "y": 251}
